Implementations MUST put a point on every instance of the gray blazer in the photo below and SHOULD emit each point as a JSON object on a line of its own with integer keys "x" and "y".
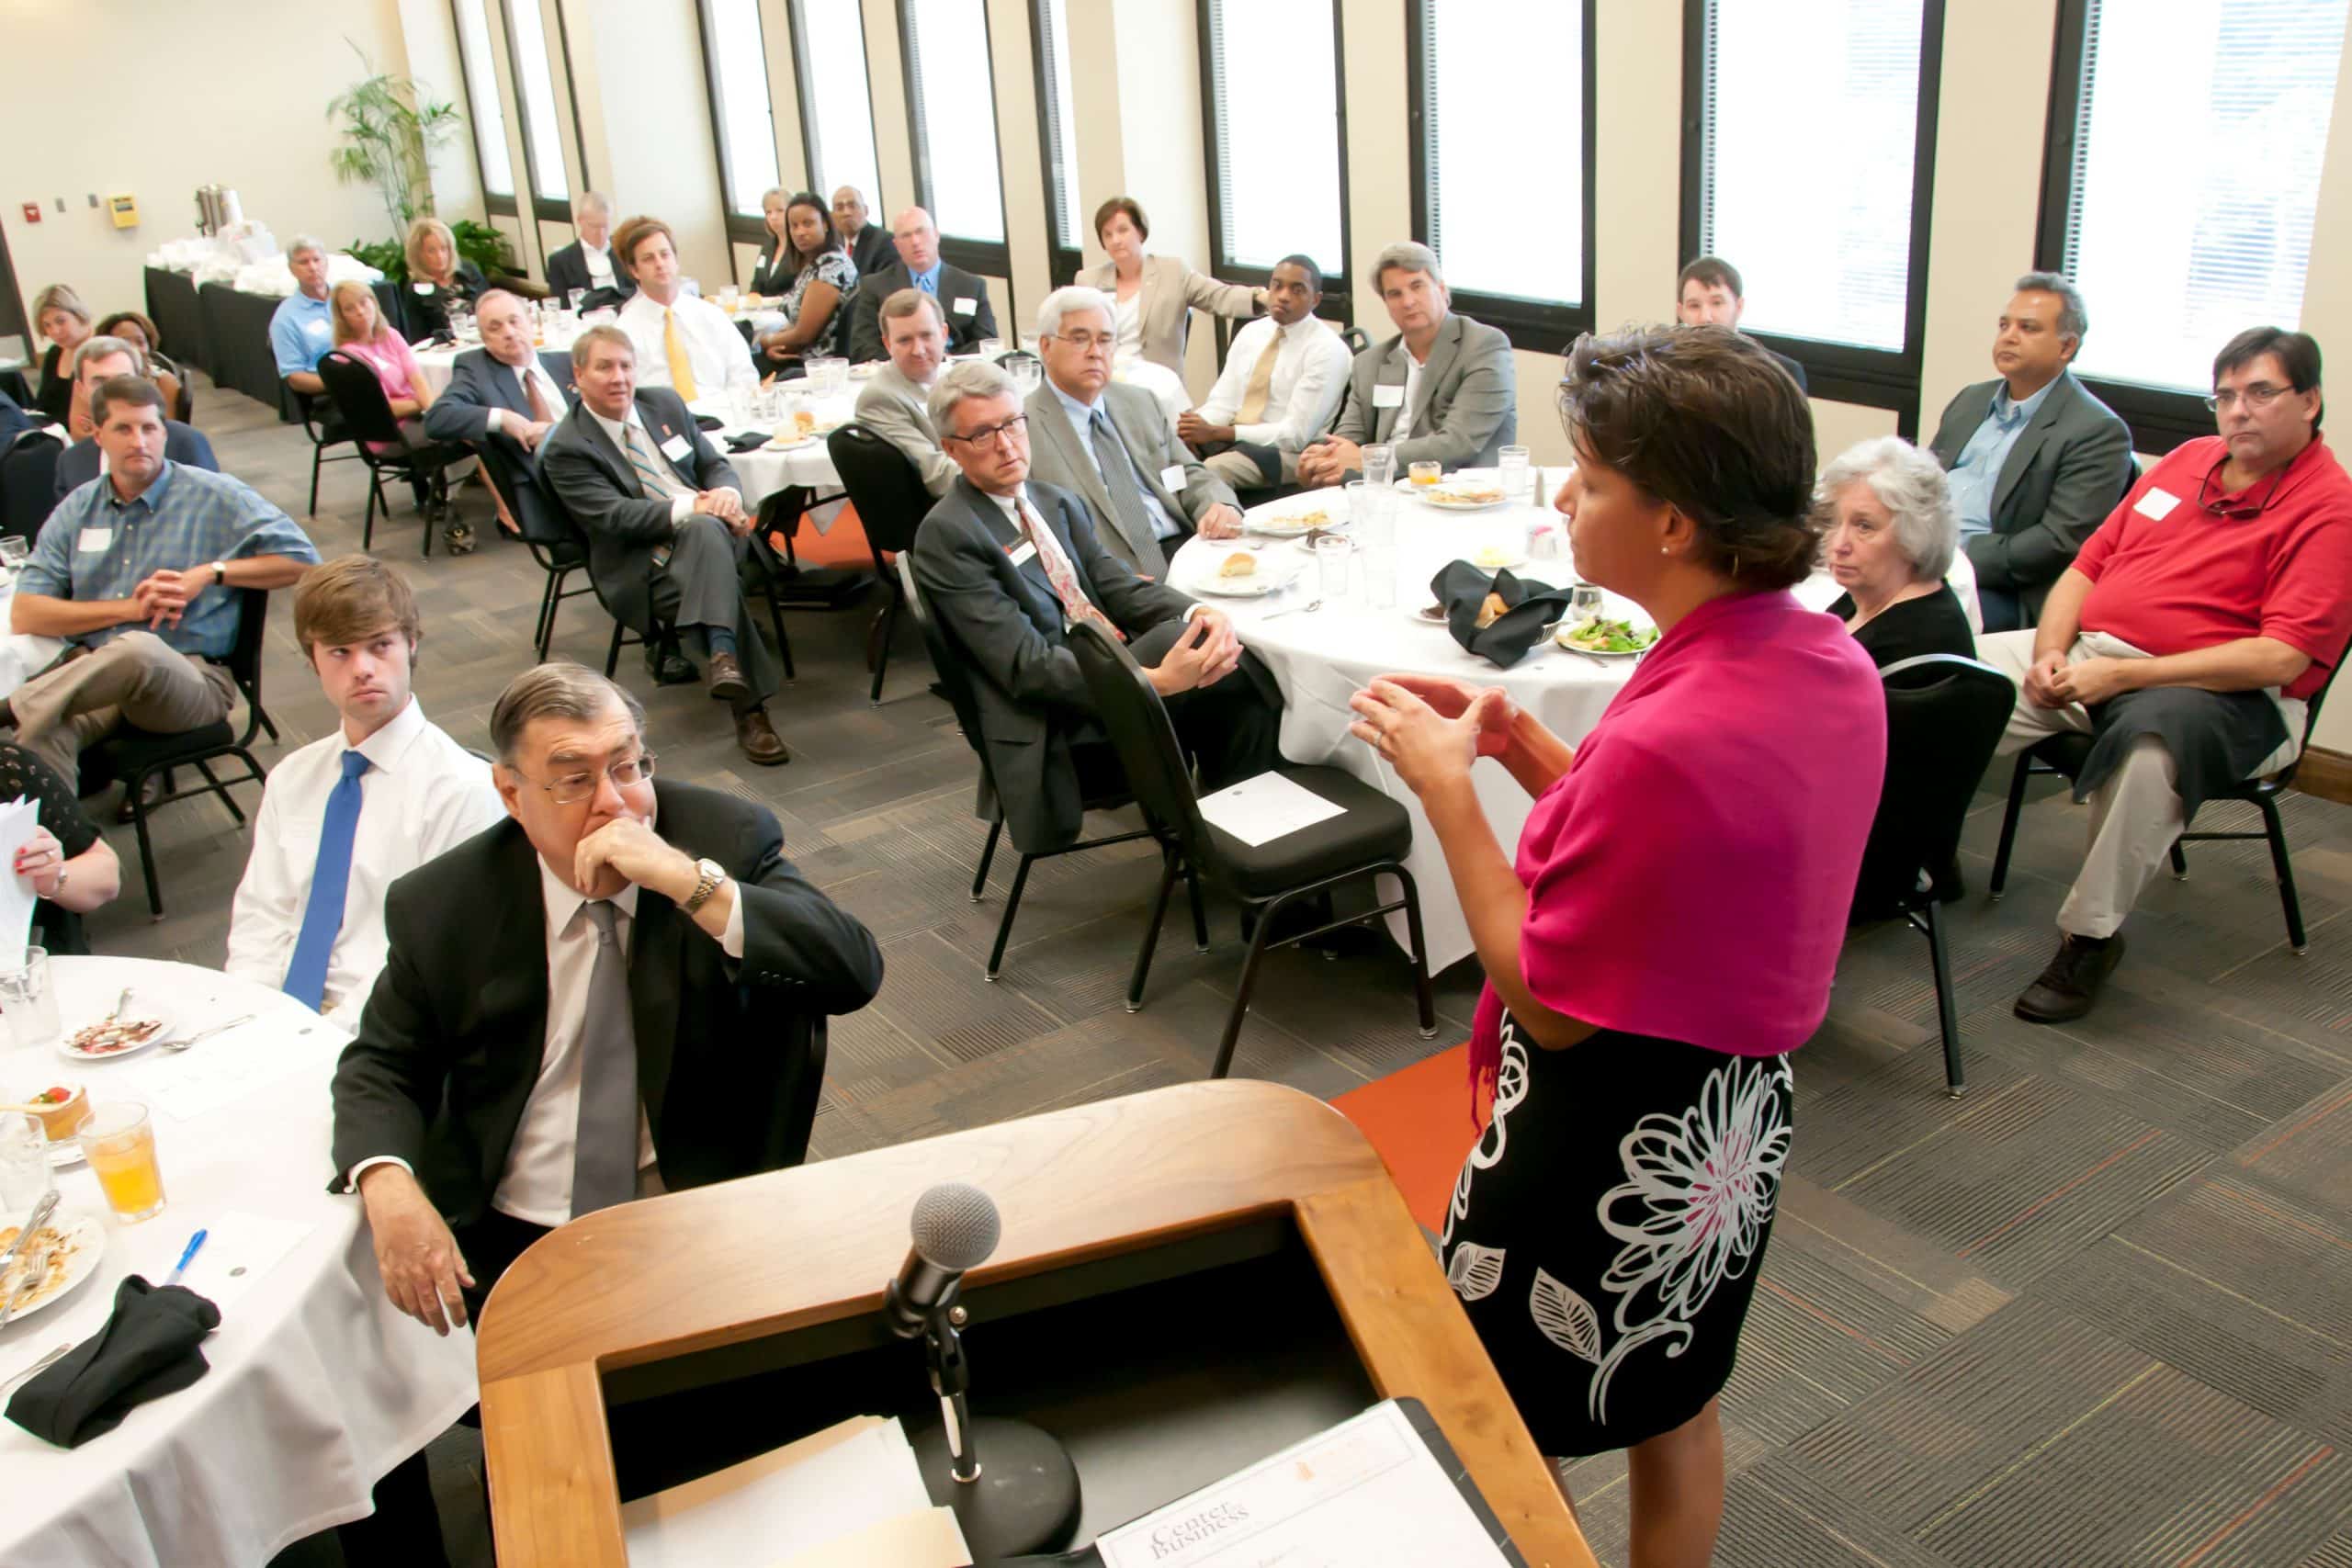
{"x": 2069, "y": 468}
{"x": 900, "y": 411}
{"x": 1007, "y": 623}
{"x": 1171, "y": 292}
{"x": 1469, "y": 396}
{"x": 1061, "y": 455}
{"x": 478, "y": 384}
{"x": 597, "y": 483}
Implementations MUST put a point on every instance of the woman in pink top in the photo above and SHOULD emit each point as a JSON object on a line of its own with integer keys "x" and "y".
{"x": 1668, "y": 933}
{"x": 361, "y": 333}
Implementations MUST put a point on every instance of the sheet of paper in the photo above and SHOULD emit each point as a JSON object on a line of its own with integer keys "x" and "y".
{"x": 1367, "y": 1494}
{"x": 218, "y": 1071}
{"x": 239, "y": 1247}
{"x": 1259, "y": 810}
{"x": 766, "y": 1508}
{"x": 18, "y": 820}
{"x": 929, "y": 1540}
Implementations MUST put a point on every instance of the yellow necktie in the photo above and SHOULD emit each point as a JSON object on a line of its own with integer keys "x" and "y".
{"x": 1261, "y": 382}
{"x": 673, "y": 348}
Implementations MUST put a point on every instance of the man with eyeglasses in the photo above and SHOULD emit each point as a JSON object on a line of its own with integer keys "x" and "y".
{"x": 2186, "y": 639}
{"x": 1006, "y": 563}
{"x": 1113, "y": 444}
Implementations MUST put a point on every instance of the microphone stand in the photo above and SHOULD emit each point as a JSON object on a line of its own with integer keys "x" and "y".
{"x": 1027, "y": 1499}
{"x": 951, "y": 1379}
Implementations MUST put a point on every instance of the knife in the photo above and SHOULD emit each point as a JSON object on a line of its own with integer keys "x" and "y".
{"x": 41, "y": 1211}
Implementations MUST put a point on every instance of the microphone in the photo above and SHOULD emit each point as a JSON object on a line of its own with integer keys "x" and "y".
{"x": 955, "y": 1228}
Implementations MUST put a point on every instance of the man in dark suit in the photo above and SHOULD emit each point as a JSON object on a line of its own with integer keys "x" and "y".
{"x": 101, "y": 359}
{"x": 2036, "y": 461}
{"x": 506, "y": 388}
{"x": 868, "y": 243}
{"x": 1709, "y": 294}
{"x": 1006, "y": 565}
{"x": 667, "y": 528}
{"x": 963, "y": 297}
{"x": 588, "y": 262}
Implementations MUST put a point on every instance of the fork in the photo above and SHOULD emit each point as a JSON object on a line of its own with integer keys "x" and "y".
{"x": 205, "y": 1034}
{"x": 38, "y": 1367}
{"x": 33, "y": 1275}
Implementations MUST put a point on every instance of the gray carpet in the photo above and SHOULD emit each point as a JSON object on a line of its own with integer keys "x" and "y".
{"x": 2097, "y": 1311}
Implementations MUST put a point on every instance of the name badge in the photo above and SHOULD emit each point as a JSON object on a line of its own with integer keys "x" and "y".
{"x": 1023, "y": 553}
{"x": 1388, "y": 395}
{"x": 94, "y": 540}
{"x": 315, "y": 327}
{"x": 2156, "y": 505}
{"x": 965, "y": 307}
{"x": 1172, "y": 477}
{"x": 421, "y": 287}
{"x": 676, "y": 448}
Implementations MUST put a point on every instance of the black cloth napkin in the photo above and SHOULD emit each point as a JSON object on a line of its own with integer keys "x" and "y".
{"x": 709, "y": 422}
{"x": 1462, "y": 588}
{"x": 148, "y": 1349}
{"x": 749, "y": 440}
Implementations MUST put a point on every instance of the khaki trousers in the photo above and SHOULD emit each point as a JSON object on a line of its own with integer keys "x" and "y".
{"x": 137, "y": 678}
{"x": 1237, "y": 468}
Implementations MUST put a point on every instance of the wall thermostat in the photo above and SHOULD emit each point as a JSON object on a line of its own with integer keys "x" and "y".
{"x": 125, "y": 209}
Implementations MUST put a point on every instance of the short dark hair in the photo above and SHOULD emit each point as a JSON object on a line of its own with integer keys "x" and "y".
{"x": 114, "y": 390}
{"x": 2297, "y": 356}
{"x": 1118, "y": 204}
{"x": 1305, "y": 264}
{"x": 352, "y": 597}
{"x": 1704, "y": 420}
{"x": 1709, "y": 271}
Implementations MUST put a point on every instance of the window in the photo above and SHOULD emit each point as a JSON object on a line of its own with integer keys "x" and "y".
{"x": 1515, "y": 263}
{"x": 1056, "y": 135}
{"x": 951, "y": 99}
{"x": 836, "y": 111}
{"x": 542, "y": 135}
{"x": 1275, "y": 186}
{"x": 2185, "y": 148}
{"x": 1807, "y": 167}
{"x": 481, "y": 97}
{"x": 735, "y": 59}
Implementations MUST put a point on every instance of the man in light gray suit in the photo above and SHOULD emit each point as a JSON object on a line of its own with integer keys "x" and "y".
{"x": 2036, "y": 461}
{"x": 1444, "y": 389}
{"x": 1113, "y": 444}
{"x": 893, "y": 403}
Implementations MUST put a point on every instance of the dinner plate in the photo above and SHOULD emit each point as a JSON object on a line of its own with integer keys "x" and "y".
{"x": 1295, "y": 522}
{"x": 1503, "y": 558}
{"x": 1268, "y": 578}
{"x": 141, "y": 1010}
{"x": 1560, "y": 635}
{"x": 802, "y": 445}
{"x": 84, "y": 1234}
{"x": 64, "y": 1154}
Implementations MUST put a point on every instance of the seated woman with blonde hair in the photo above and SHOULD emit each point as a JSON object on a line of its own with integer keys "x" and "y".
{"x": 361, "y": 333}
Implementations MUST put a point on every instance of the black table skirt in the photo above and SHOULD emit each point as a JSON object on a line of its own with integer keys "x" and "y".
{"x": 178, "y": 316}
{"x": 236, "y": 328}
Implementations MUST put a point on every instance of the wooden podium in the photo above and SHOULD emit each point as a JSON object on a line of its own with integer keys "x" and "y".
{"x": 1188, "y": 1199}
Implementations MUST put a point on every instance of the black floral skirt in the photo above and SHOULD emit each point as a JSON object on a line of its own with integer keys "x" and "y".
{"x": 1606, "y": 1233}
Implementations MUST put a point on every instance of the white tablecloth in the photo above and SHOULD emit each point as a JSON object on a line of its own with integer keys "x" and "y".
{"x": 317, "y": 1388}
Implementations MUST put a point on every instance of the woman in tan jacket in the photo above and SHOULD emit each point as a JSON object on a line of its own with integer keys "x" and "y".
{"x": 1156, "y": 295}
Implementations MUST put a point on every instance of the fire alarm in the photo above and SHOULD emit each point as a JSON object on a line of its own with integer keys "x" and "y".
{"x": 32, "y": 212}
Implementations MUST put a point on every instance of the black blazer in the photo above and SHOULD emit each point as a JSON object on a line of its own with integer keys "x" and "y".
{"x": 955, "y": 283}
{"x": 772, "y": 273}
{"x": 872, "y": 250}
{"x": 78, "y": 464}
{"x": 597, "y": 484}
{"x": 478, "y": 384}
{"x": 568, "y": 270}
{"x": 1791, "y": 365}
{"x": 1933, "y": 622}
{"x": 425, "y": 308}
{"x": 452, "y": 1039}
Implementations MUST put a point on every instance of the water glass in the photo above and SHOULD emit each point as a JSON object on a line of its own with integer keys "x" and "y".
{"x": 25, "y": 1177}
{"x": 579, "y": 301}
{"x": 989, "y": 347}
{"x": 729, "y": 297}
{"x": 1512, "y": 473}
{"x": 14, "y": 553}
{"x": 1380, "y": 466}
{"x": 1583, "y": 601}
{"x": 1379, "y": 572}
{"x": 30, "y": 1001}
{"x": 1026, "y": 376}
{"x": 118, "y": 1140}
{"x": 1331, "y": 567}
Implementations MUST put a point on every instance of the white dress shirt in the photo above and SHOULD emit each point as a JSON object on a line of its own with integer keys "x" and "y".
{"x": 1404, "y": 412}
{"x": 682, "y": 506}
{"x": 421, "y": 794}
{"x": 1128, "y": 322}
{"x": 1310, "y": 377}
{"x": 525, "y": 374}
{"x": 600, "y": 263}
{"x": 716, "y": 352}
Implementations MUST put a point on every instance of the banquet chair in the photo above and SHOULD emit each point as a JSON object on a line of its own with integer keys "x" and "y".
{"x": 955, "y": 683}
{"x": 891, "y": 503}
{"x": 29, "y": 483}
{"x": 1371, "y": 837}
{"x": 1944, "y": 717}
{"x": 665, "y": 633}
{"x": 554, "y": 542}
{"x": 325, "y": 428}
{"x": 1355, "y": 339}
{"x": 367, "y": 413}
{"x": 2064, "y": 756}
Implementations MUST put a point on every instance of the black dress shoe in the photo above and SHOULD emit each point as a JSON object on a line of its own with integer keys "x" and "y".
{"x": 671, "y": 668}
{"x": 2070, "y": 985}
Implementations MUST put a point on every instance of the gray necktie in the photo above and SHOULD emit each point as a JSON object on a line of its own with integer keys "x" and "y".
{"x": 1119, "y": 479}
{"x": 604, "y": 1151}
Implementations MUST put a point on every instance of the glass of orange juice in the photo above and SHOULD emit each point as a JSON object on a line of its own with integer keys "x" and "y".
{"x": 118, "y": 1140}
{"x": 1425, "y": 472}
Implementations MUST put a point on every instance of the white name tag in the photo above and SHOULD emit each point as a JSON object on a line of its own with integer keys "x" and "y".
{"x": 421, "y": 287}
{"x": 1023, "y": 553}
{"x": 965, "y": 306}
{"x": 315, "y": 327}
{"x": 676, "y": 448}
{"x": 1172, "y": 477}
{"x": 1388, "y": 395}
{"x": 2156, "y": 505}
{"x": 94, "y": 540}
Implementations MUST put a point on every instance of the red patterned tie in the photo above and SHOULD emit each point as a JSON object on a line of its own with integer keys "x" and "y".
{"x": 1058, "y": 570}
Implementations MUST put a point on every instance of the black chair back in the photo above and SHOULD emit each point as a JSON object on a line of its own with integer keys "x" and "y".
{"x": 1944, "y": 716}
{"x": 1144, "y": 736}
{"x": 245, "y": 654}
{"x": 29, "y": 484}
{"x": 359, "y": 399}
{"x": 1012, "y": 356}
{"x": 885, "y": 488}
{"x": 1355, "y": 339}
{"x": 946, "y": 663}
{"x": 544, "y": 526}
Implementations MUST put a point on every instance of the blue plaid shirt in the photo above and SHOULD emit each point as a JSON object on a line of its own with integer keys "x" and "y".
{"x": 95, "y": 548}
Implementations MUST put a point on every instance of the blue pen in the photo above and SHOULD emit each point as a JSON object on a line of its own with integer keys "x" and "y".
{"x": 181, "y": 1267}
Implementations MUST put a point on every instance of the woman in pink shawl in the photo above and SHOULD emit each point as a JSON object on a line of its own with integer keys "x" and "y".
{"x": 1667, "y": 934}
{"x": 362, "y": 333}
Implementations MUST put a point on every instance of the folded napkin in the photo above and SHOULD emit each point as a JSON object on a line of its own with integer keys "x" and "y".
{"x": 148, "y": 1349}
{"x": 748, "y": 441}
{"x": 1462, "y": 588}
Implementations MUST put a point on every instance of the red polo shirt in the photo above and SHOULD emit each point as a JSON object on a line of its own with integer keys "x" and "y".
{"x": 2170, "y": 576}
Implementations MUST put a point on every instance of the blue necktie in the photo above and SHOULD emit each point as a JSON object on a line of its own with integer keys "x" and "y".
{"x": 306, "y": 976}
{"x": 928, "y": 283}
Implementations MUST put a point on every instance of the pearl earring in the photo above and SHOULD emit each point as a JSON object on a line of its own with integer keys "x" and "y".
{"x": 1665, "y": 550}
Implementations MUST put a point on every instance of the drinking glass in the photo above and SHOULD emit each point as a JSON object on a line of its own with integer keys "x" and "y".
{"x": 579, "y": 300}
{"x": 118, "y": 1140}
{"x": 1331, "y": 567}
{"x": 989, "y": 347}
{"x": 729, "y": 297}
{"x": 1425, "y": 472}
{"x": 1379, "y": 465}
{"x": 24, "y": 1176}
{"x": 29, "y": 1000}
{"x": 1583, "y": 601}
{"x": 14, "y": 553}
{"x": 1511, "y": 471}
{"x": 1379, "y": 573}
{"x": 1026, "y": 376}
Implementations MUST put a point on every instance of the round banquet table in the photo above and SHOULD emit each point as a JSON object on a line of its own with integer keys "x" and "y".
{"x": 317, "y": 1387}
{"x": 1321, "y": 657}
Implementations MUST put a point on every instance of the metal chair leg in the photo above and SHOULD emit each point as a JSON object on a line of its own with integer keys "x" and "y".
{"x": 213, "y": 782}
{"x": 988, "y": 854}
{"x": 1422, "y": 991}
{"x": 1947, "y": 1015}
{"x": 613, "y": 654}
{"x": 1004, "y": 927}
{"x": 1241, "y": 995}
{"x": 882, "y": 662}
{"x": 1168, "y": 867}
{"x": 317, "y": 456}
{"x": 2293, "y": 906}
{"x": 2180, "y": 863}
{"x": 368, "y": 524}
{"x": 1200, "y": 911}
{"x": 136, "y": 784}
{"x": 2009, "y": 825}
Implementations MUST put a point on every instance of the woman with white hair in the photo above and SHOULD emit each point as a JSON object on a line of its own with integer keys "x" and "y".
{"x": 1889, "y": 537}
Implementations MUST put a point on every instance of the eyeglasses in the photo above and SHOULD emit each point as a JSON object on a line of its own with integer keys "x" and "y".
{"x": 2261, "y": 395}
{"x": 570, "y": 789}
{"x": 1087, "y": 342}
{"x": 979, "y": 438}
{"x": 2241, "y": 512}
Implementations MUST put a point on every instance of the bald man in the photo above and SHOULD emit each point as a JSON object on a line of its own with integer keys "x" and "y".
{"x": 868, "y": 243}
{"x": 962, "y": 298}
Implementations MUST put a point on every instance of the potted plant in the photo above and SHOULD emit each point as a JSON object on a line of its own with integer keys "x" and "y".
{"x": 391, "y": 127}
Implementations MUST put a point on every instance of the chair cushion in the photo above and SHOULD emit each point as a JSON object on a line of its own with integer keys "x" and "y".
{"x": 1374, "y": 828}
{"x": 129, "y": 751}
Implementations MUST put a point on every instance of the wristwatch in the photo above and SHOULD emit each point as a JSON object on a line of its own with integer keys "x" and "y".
{"x": 220, "y": 572}
{"x": 711, "y": 876}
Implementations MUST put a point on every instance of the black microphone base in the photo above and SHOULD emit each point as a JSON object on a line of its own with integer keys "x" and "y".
{"x": 1026, "y": 1499}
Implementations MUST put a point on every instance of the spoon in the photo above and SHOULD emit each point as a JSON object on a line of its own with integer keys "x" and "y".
{"x": 1307, "y": 609}
{"x": 205, "y": 1034}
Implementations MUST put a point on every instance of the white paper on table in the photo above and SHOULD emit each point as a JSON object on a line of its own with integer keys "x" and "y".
{"x": 804, "y": 1494}
{"x": 205, "y": 1078}
{"x": 931, "y": 1538}
{"x": 1262, "y": 809}
{"x": 240, "y": 1246}
{"x": 18, "y": 820}
{"x": 1367, "y": 1494}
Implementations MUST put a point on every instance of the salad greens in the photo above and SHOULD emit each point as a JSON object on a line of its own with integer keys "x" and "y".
{"x": 1600, "y": 635}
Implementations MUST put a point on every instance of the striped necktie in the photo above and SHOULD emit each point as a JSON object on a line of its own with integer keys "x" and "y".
{"x": 673, "y": 348}
{"x": 655, "y": 477}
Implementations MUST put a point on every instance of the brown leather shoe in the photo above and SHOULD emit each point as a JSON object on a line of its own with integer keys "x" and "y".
{"x": 759, "y": 739}
{"x": 726, "y": 676}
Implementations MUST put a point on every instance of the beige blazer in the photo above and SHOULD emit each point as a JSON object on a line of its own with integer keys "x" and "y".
{"x": 900, "y": 411}
{"x": 1171, "y": 292}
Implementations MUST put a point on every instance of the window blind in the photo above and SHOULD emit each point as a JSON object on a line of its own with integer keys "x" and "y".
{"x": 953, "y": 108}
{"x": 744, "y": 114}
{"x": 482, "y": 97}
{"x": 836, "y": 112}
{"x": 541, "y": 128}
{"x": 1060, "y": 110}
{"x": 1276, "y": 103}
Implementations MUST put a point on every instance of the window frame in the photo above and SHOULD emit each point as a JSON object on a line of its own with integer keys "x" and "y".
{"x": 493, "y": 205}
{"x": 750, "y": 229}
{"x": 544, "y": 209}
{"x": 1539, "y": 326}
{"x": 1063, "y": 261}
{"x": 1836, "y": 372}
{"x": 803, "y": 98}
{"x": 1338, "y": 304}
{"x": 983, "y": 258}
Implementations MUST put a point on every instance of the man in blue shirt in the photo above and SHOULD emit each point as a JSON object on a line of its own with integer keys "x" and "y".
{"x": 302, "y": 329}
{"x": 137, "y": 572}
